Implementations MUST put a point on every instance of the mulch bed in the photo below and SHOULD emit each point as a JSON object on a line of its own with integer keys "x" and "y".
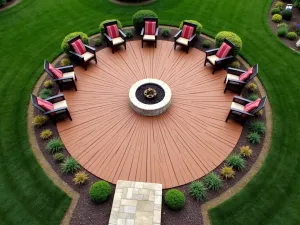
{"x": 8, "y": 4}
{"x": 86, "y": 212}
{"x": 295, "y": 19}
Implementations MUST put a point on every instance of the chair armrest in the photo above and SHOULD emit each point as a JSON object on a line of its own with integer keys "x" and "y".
{"x": 77, "y": 55}
{"x": 191, "y": 38}
{"x": 222, "y": 60}
{"x": 142, "y": 31}
{"x": 90, "y": 49}
{"x": 211, "y": 51}
{"x": 56, "y": 98}
{"x": 122, "y": 34}
{"x": 66, "y": 69}
{"x": 234, "y": 71}
{"x": 156, "y": 32}
{"x": 176, "y": 36}
{"x": 108, "y": 37}
{"x": 240, "y": 100}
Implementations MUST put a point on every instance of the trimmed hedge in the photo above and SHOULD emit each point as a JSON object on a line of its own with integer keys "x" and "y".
{"x": 234, "y": 38}
{"x": 100, "y": 191}
{"x": 199, "y": 25}
{"x": 65, "y": 46}
{"x": 174, "y": 199}
{"x": 101, "y": 26}
{"x": 138, "y": 18}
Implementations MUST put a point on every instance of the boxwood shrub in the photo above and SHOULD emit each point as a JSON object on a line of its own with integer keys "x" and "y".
{"x": 101, "y": 26}
{"x": 174, "y": 199}
{"x": 275, "y": 11}
{"x": 100, "y": 191}
{"x": 291, "y": 36}
{"x": 234, "y": 38}
{"x": 199, "y": 25}
{"x": 276, "y": 18}
{"x": 138, "y": 18}
{"x": 65, "y": 46}
{"x": 287, "y": 14}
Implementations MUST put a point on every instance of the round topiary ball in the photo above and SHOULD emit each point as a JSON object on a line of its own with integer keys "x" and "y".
{"x": 287, "y": 14}
{"x": 100, "y": 191}
{"x": 199, "y": 25}
{"x": 65, "y": 46}
{"x": 234, "y": 38}
{"x": 101, "y": 26}
{"x": 174, "y": 199}
{"x": 276, "y": 18}
{"x": 138, "y": 18}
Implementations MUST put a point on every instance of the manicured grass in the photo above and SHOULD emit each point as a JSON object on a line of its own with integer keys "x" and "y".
{"x": 33, "y": 31}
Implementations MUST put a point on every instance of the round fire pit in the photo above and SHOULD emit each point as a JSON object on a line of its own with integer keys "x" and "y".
{"x": 150, "y": 97}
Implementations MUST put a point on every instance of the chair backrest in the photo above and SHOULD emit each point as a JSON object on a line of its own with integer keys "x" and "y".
{"x": 35, "y": 104}
{"x": 255, "y": 72}
{"x": 191, "y": 25}
{"x": 46, "y": 68}
{"x": 109, "y": 23}
{"x": 72, "y": 40}
{"x": 154, "y": 19}
{"x": 231, "y": 45}
{"x": 261, "y": 105}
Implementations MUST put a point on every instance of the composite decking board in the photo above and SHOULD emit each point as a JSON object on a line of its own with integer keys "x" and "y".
{"x": 113, "y": 142}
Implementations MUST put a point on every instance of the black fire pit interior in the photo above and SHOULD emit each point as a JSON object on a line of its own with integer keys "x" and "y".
{"x": 160, "y": 94}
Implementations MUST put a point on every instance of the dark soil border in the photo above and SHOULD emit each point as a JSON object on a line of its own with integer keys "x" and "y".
{"x": 85, "y": 212}
{"x": 9, "y": 5}
{"x": 296, "y": 18}
{"x": 141, "y": 2}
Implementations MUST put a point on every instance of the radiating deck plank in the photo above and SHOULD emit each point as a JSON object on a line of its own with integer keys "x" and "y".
{"x": 113, "y": 142}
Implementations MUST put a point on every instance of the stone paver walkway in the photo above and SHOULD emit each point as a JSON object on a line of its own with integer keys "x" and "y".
{"x": 136, "y": 203}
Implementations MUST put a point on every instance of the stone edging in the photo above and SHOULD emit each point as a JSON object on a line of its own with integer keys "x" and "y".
{"x": 255, "y": 167}
{"x": 42, "y": 160}
{"x": 133, "y": 4}
{"x": 204, "y": 208}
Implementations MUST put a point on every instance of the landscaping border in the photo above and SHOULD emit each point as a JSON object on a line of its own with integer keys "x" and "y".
{"x": 205, "y": 207}
{"x": 133, "y": 4}
{"x": 9, "y": 5}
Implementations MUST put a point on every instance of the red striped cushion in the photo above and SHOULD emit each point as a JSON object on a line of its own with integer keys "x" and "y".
{"x": 79, "y": 47}
{"x": 223, "y": 50}
{"x": 56, "y": 72}
{"x": 252, "y": 105}
{"x": 48, "y": 106}
{"x": 150, "y": 27}
{"x": 187, "y": 31}
{"x": 113, "y": 31}
{"x": 244, "y": 76}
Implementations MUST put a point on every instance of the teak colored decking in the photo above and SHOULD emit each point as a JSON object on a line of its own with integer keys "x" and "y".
{"x": 113, "y": 142}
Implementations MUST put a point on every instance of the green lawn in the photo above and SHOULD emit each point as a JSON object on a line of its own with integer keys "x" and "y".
{"x": 33, "y": 31}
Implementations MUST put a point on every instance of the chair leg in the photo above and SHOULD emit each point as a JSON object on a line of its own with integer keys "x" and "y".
{"x": 187, "y": 49}
{"x": 96, "y": 60}
{"x": 225, "y": 79}
{"x": 69, "y": 115}
{"x": 205, "y": 61}
{"x": 125, "y": 45}
{"x": 174, "y": 45}
{"x": 142, "y": 44}
{"x": 225, "y": 90}
{"x": 74, "y": 86}
{"x": 214, "y": 70}
{"x": 228, "y": 116}
{"x": 75, "y": 77}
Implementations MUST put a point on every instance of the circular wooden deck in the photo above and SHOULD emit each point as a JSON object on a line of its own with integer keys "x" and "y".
{"x": 113, "y": 142}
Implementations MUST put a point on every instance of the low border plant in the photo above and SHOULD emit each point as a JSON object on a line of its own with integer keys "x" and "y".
{"x": 212, "y": 181}
{"x": 174, "y": 199}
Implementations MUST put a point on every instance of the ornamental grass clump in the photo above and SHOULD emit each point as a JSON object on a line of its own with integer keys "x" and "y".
{"x": 212, "y": 181}
{"x": 246, "y": 151}
{"x": 254, "y": 138}
{"x": 227, "y": 172}
{"x": 46, "y": 134}
{"x": 206, "y": 44}
{"x": 70, "y": 165}
{"x": 252, "y": 87}
{"x": 100, "y": 191}
{"x": 174, "y": 199}
{"x": 279, "y": 5}
{"x": 166, "y": 32}
{"x": 258, "y": 127}
{"x": 80, "y": 177}
{"x": 282, "y": 31}
{"x": 277, "y": 18}
{"x": 235, "y": 64}
{"x": 45, "y": 93}
{"x": 275, "y": 11}
{"x": 59, "y": 157}
{"x": 236, "y": 161}
{"x": 55, "y": 145}
{"x": 65, "y": 62}
{"x": 198, "y": 190}
{"x": 48, "y": 84}
{"x": 253, "y": 97}
{"x": 291, "y": 36}
{"x": 199, "y": 25}
{"x": 232, "y": 37}
{"x": 39, "y": 120}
